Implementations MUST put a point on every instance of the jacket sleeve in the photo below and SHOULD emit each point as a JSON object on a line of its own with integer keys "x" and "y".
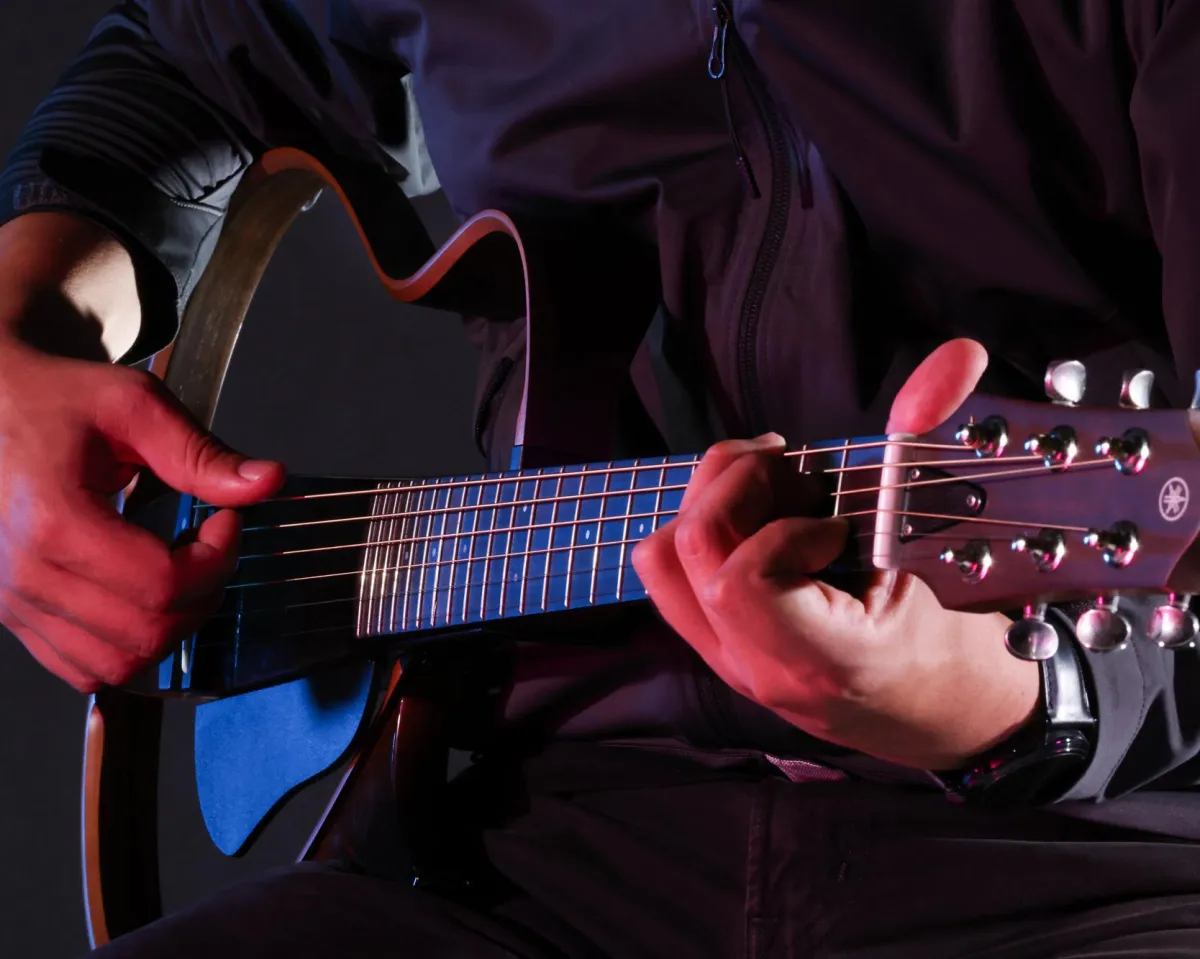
{"x": 151, "y": 127}
{"x": 1147, "y": 700}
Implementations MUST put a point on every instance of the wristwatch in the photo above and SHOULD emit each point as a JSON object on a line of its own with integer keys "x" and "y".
{"x": 1046, "y": 757}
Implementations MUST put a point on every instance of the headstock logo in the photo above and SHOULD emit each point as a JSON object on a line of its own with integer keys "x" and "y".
{"x": 1173, "y": 498}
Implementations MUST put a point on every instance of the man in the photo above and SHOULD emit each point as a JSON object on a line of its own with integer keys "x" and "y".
{"x": 825, "y": 184}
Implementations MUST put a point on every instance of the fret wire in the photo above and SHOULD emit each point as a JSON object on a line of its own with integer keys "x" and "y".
{"x": 491, "y": 538}
{"x": 574, "y": 525}
{"x": 599, "y": 536}
{"x": 466, "y": 612}
{"x": 550, "y": 542}
{"x": 396, "y": 526}
{"x": 392, "y": 502}
{"x": 524, "y": 581}
{"x": 507, "y": 550}
{"x": 414, "y": 527}
{"x": 837, "y": 496}
{"x": 624, "y": 536}
{"x": 441, "y": 551}
{"x": 424, "y": 563}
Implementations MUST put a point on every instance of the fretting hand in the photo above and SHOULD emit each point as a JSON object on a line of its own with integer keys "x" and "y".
{"x": 889, "y": 672}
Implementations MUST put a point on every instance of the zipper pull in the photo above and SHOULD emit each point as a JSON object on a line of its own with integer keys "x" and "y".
{"x": 716, "y": 55}
{"x": 716, "y": 70}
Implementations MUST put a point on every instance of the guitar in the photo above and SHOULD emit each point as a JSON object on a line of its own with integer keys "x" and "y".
{"x": 1010, "y": 505}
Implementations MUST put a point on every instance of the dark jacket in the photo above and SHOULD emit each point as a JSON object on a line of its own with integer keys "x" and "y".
{"x": 864, "y": 179}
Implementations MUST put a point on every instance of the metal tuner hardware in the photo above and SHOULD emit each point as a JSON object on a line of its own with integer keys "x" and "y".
{"x": 1046, "y": 549}
{"x": 1129, "y": 451}
{"x": 1031, "y": 637}
{"x": 1058, "y": 448}
{"x": 1173, "y": 625}
{"x": 1118, "y": 545}
{"x": 1066, "y": 382}
{"x": 974, "y": 560}
{"x": 1135, "y": 389}
{"x": 989, "y": 437}
{"x": 1103, "y": 628}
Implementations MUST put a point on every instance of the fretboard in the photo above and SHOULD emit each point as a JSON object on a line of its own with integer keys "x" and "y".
{"x": 331, "y": 562}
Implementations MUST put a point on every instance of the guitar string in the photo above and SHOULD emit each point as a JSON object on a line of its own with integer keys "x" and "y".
{"x": 455, "y": 565}
{"x": 487, "y": 611}
{"x": 463, "y": 510}
{"x": 516, "y": 476}
{"x": 417, "y": 488}
{"x": 315, "y": 577}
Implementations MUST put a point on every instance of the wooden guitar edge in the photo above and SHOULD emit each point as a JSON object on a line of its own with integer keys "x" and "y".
{"x": 119, "y": 790}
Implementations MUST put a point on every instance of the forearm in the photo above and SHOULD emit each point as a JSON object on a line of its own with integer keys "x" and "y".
{"x": 67, "y": 286}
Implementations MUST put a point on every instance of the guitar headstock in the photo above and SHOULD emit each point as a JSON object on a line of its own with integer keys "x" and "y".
{"x": 1013, "y": 504}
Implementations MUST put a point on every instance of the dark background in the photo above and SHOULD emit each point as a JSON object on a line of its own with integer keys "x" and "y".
{"x": 331, "y": 377}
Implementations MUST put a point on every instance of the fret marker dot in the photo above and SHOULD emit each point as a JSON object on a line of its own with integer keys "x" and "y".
{"x": 641, "y": 528}
{"x": 587, "y": 534}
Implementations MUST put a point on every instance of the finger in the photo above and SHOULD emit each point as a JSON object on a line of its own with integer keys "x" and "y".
{"x": 95, "y": 659}
{"x": 50, "y": 658}
{"x": 937, "y": 387}
{"x": 723, "y": 514}
{"x": 657, "y": 564}
{"x": 110, "y": 618}
{"x": 88, "y": 537}
{"x": 149, "y": 426}
{"x": 721, "y": 456}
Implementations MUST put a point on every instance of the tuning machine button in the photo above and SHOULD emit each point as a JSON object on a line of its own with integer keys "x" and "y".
{"x": 974, "y": 560}
{"x": 1173, "y": 625}
{"x": 1103, "y": 629}
{"x": 1129, "y": 451}
{"x": 1058, "y": 448}
{"x": 1118, "y": 545}
{"x": 1135, "y": 389}
{"x": 1031, "y": 637}
{"x": 1066, "y": 381}
{"x": 988, "y": 437}
{"x": 1046, "y": 549}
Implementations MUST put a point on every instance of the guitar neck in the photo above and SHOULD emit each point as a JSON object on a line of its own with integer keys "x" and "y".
{"x": 331, "y": 563}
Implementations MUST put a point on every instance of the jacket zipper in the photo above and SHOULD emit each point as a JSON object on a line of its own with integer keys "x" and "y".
{"x": 725, "y": 38}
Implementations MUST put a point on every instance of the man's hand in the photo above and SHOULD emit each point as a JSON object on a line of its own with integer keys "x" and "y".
{"x": 92, "y": 597}
{"x": 889, "y": 673}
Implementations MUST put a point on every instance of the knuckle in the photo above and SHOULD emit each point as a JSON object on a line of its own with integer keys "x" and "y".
{"x": 725, "y": 592}
{"x": 111, "y": 668}
{"x": 694, "y": 538}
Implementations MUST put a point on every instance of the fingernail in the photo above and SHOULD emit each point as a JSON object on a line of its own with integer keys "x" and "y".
{"x": 255, "y": 469}
{"x": 768, "y": 441}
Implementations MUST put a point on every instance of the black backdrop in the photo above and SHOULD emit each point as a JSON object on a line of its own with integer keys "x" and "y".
{"x": 331, "y": 377}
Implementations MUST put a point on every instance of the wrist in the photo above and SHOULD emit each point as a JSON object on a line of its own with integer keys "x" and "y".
{"x": 67, "y": 287}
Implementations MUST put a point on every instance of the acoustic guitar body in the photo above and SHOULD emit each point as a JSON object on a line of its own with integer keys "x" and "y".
{"x": 585, "y": 293}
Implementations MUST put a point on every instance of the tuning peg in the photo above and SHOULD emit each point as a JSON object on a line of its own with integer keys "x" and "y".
{"x": 1046, "y": 549}
{"x": 988, "y": 438}
{"x": 974, "y": 560}
{"x": 1103, "y": 629}
{"x": 1117, "y": 545}
{"x": 1173, "y": 625}
{"x": 1135, "y": 389}
{"x": 1057, "y": 448}
{"x": 1031, "y": 637}
{"x": 1066, "y": 381}
{"x": 1129, "y": 451}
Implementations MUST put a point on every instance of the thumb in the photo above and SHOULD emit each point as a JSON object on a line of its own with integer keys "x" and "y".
{"x": 937, "y": 387}
{"x": 156, "y": 431}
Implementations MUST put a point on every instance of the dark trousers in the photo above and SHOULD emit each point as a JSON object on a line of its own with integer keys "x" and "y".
{"x": 730, "y": 865}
